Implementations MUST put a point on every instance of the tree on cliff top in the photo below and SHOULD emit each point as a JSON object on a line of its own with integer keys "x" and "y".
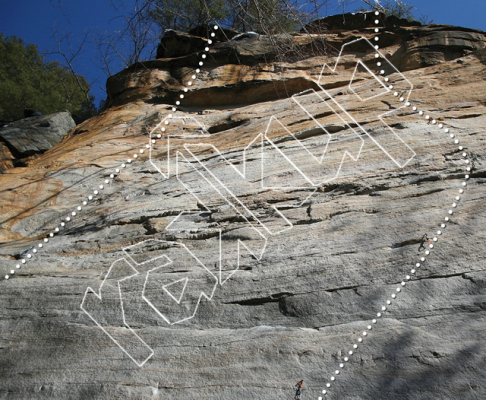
{"x": 27, "y": 81}
{"x": 182, "y": 15}
{"x": 263, "y": 16}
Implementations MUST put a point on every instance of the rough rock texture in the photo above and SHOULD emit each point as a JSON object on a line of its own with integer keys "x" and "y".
{"x": 178, "y": 44}
{"x": 6, "y": 158}
{"x": 297, "y": 310}
{"x": 221, "y": 35}
{"x": 439, "y": 43}
{"x": 247, "y": 71}
{"x": 33, "y": 135}
{"x": 353, "y": 21}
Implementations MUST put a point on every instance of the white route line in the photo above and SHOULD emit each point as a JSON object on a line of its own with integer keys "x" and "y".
{"x": 142, "y": 345}
{"x": 95, "y": 193}
{"x": 201, "y": 295}
{"x": 431, "y": 245}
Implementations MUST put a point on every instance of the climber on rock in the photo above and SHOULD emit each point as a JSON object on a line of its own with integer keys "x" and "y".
{"x": 26, "y": 251}
{"x": 298, "y": 389}
{"x": 424, "y": 239}
{"x": 474, "y": 160}
{"x": 309, "y": 210}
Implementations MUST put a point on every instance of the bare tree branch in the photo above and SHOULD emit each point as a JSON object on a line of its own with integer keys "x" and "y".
{"x": 70, "y": 57}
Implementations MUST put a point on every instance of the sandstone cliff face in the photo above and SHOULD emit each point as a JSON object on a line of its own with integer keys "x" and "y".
{"x": 29, "y": 137}
{"x": 292, "y": 288}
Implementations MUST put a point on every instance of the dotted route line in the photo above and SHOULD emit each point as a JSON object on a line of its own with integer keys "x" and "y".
{"x": 431, "y": 243}
{"x": 34, "y": 250}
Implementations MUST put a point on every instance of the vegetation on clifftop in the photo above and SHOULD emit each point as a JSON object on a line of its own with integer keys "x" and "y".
{"x": 27, "y": 81}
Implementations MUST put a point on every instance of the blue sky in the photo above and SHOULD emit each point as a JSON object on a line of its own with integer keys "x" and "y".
{"x": 34, "y": 21}
{"x": 465, "y": 13}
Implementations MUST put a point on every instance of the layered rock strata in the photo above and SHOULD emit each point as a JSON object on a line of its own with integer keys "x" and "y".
{"x": 293, "y": 307}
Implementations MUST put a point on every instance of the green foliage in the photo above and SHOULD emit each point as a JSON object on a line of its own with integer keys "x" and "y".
{"x": 263, "y": 16}
{"x": 399, "y": 9}
{"x": 27, "y": 81}
{"x": 183, "y": 15}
